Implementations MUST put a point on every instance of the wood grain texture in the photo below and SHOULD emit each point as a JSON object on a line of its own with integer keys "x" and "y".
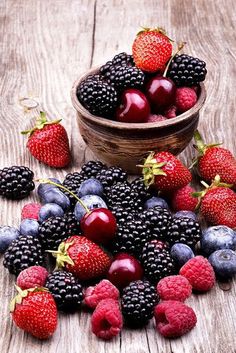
{"x": 45, "y": 46}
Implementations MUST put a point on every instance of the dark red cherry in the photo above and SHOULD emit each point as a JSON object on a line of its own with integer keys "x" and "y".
{"x": 134, "y": 107}
{"x": 99, "y": 225}
{"x": 160, "y": 92}
{"x": 124, "y": 269}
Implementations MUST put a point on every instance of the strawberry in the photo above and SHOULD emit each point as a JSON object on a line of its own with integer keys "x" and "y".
{"x": 165, "y": 171}
{"x": 215, "y": 160}
{"x": 182, "y": 199}
{"x": 48, "y": 142}
{"x": 151, "y": 49}
{"x": 82, "y": 257}
{"x": 34, "y": 311}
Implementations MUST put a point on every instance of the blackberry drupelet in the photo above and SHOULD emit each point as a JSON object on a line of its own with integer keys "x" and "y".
{"x": 72, "y": 224}
{"x": 186, "y": 70}
{"x": 157, "y": 220}
{"x": 121, "y": 59}
{"x": 138, "y": 187}
{"x": 98, "y": 97}
{"x": 184, "y": 230}
{"x": 138, "y": 301}
{"x": 66, "y": 290}
{"x": 123, "y": 77}
{"x": 122, "y": 214}
{"x": 92, "y": 168}
{"x": 157, "y": 262}
{"x": 23, "y": 252}
{"x": 72, "y": 182}
{"x": 111, "y": 176}
{"x": 16, "y": 182}
{"x": 52, "y": 232}
{"x": 131, "y": 237}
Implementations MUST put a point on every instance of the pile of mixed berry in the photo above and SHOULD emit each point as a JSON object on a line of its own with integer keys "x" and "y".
{"x": 128, "y": 250}
{"x": 151, "y": 85}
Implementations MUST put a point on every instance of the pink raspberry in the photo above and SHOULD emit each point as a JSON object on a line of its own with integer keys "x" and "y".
{"x": 185, "y": 99}
{"x": 199, "y": 273}
{"x": 182, "y": 199}
{"x": 170, "y": 112}
{"x": 103, "y": 290}
{"x": 107, "y": 319}
{"x": 31, "y": 211}
{"x": 174, "y": 319}
{"x": 153, "y": 118}
{"x": 174, "y": 288}
{"x": 34, "y": 276}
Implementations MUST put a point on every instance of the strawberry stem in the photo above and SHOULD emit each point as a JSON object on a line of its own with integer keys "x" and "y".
{"x": 180, "y": 47}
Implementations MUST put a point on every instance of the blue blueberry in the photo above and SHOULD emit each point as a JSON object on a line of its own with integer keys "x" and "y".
{"x": 29, "y": 227}
{"x": 7, "y": 235}
{"x": 155, "y": 201}
{"x": 188, "y": 214}
{"x": 43, "y": 187}
{"x": 181, "y": 253}
{"x": 55, "y": 195}
{"x": 218, "y": 237}
{"x": 50, "y": 210}
{"x": 91, "y": 201}
{"x": 224, "y": 262}
{"x": 90, "y": 186}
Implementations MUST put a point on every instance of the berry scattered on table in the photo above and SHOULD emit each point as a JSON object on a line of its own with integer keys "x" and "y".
{"x": 174, "y": 288}
{"x": 156, "y": 201}
{"x": 181, "y": 253}
{"x": 90, "y": 186}
{"x": 91, "y": 202}
{"x": 183, "y": 214}
{"x": 7, "y": 235}
{"x": 29, "y": 227}
{"x": 218, "y": 238}
{"x": 31, "y": 277}
{"x": 103, "y": 290}
{"x": 50, "y": 210}
{"x": 31, "y": 211}
{"x": 52, "y": 232}
{"x": 184, "y": 230}
{"x": 182, "y": 199}
{"x": 224, "y": 262}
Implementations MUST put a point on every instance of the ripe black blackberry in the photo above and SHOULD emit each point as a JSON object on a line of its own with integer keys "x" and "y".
{"x": 122, "y": 77}
{"x": 184, "y": 230}
{"x": 186, "y": 70}
{"x": 111, "y": 176}
{"x": 122, "y": 214}
{"x": 157, "y": 220}
{"x": 66, "y": 290}
{"x": 157, "y": 262}
{"x": 23, "y": 252}
{"x": 16, "y": 182}
{"x": 92, "y": 168}
{"x": 72, "y": 182}
{"x": 98, "y": 97}
{"x": 52, "y": 232}
{"x": 121, "y": 59}
{"x": 131, "y": 237}
{"x": 138, "y": 187}
{"x": 73, "y": 225}
{"x": 120, "y": 194}
{"x": 138, "y": 301}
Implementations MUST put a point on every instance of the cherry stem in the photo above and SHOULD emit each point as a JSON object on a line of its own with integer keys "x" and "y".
{"x": 180, "y": 47}
{"x": 47, "y": 181}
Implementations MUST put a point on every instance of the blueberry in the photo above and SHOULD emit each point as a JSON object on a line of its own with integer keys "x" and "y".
{"x": 55, "y": 195}
{"x": 188, "y": 214}
{"x": 50, "y": 210}
{"x": 91, "y": 201}
{"x": 29, "y": 227}
{"x": 224, "y": 262}
{"x": 181, "y": 253}
{"x": 45, "y": 187}
{"x": 218, "y": 237}
{"x": 90, "y": 186}
{"x": 7, "y": 235}
{"x": 155, "y": 201}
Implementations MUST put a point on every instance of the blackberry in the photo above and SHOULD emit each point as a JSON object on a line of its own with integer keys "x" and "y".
{"x": 16, "y": 182}
{"x": 121, "y": 59}
{"x": 111, "y": 176}
{"x": 157, "y": 220}
{"x": 131, "y": 236}
{"x": 23, "y": 252}
{"x": 138, "y": 301}
{"x": 186, "y": 70}
{"x": 52, "y": 232}
{"x": 72, "y": 182}
{"x": 123, "y": 77}
{"x": 66, "y": 290}
{"x": 138, "y": 187}
{"x": 92, "y": 168}
{"x": 122, "y": 214}
{"x": 73, "y": 226}
{"x": 120, "y": 194}
{"x": 98, "y": 97}
{"x": 184, "y": 230}
{"x": 157, "y": 262}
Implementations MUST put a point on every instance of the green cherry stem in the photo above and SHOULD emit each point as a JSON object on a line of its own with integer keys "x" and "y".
{"x": 180, "y": 47}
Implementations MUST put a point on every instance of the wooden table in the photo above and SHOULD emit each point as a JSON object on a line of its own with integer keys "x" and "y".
{"x": 45, "y": 46}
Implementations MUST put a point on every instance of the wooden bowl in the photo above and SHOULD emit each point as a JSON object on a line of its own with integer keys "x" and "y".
{"x": 126, "y": 144}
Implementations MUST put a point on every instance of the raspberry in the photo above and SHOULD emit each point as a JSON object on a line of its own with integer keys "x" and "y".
{"x": 153, "y": 118}
{"x": 185, "y": 99}
{"x": 170, "y": 112}
{"x": 199, "y": 273}
{"x": 103, "y": 290}
{"x": 174, "y": 288}
{"x": 31, "y": 211}
{"x": 33, "y": 276}
{"x": 182, "y": 199}
{"x": 107, "y": 319}
{"x": 174, "y": 319}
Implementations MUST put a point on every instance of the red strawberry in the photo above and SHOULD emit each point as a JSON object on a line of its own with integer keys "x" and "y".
{"x": 151, "y": 49}
{"x": 182, "y": 199}
{"x": 165, "y": 171}
{"x": 34, "y": 311}
{"x": 82, "y": 257}
{"x": 214, "y": 160}
{"x": 48, "y": 142}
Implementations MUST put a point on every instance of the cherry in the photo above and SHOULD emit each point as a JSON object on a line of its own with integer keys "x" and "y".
{"x": 124, "y": 269}
{"x": 99, "y": 225}
{"x": 134, "y": 107}
{"x": 160, "y": 92}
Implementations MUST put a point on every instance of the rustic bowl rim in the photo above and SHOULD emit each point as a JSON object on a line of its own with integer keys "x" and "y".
{"x": 130, "y": 126}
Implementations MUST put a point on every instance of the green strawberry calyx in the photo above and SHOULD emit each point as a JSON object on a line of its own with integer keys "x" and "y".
{"x": 41, "y": 121}
{"x": 23, "y": 294}
{"x": 151, "y": 169}
{"x": 62, "y": 256}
